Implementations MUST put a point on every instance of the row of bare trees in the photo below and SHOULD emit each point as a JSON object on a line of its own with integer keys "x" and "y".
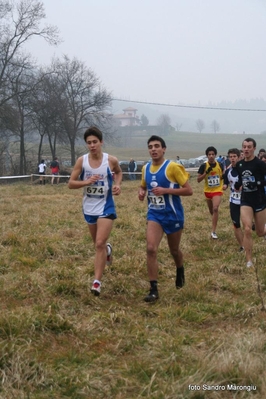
{"x": 55, "y": 101}
{"x": 200, "y": 124}
{"x": 164, "y": 121}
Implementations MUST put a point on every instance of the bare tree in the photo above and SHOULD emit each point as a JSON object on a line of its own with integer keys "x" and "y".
{"x": 178, "y": 126}
{"x": 83, "y": 100}
{"x": 144, "y": 120}
{"x": 200, "y": 125}
{"x": 46, "y": 111}
{"x": 18, "y": 117}
{"x": 215, "y": 126}
{"x": 164, "y": 123}
{"x": 19, "y": 22}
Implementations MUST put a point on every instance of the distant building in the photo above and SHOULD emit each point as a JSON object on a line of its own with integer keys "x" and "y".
{"x": 128, "y": 118}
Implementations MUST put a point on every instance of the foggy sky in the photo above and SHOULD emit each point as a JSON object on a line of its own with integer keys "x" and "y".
{"x": 166, "y": 51}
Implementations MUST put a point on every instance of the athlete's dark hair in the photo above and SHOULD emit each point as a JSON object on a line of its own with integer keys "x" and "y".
{"x": 93, "y": 131}
{"x": 157, "y": 138}
{"x": 211, "y": 148}
{"x": 248, "y": 139}
{"x": 234, "y": 151}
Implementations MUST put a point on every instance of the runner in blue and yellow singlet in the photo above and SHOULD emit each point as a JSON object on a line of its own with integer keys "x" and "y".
{"x": 164, "y": 182}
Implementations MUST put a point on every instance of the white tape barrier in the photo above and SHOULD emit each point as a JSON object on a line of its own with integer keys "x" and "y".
{"x": 51, "y": 175}
{"x": 21, "y": 177}
{"x": 124, "y": 173}
{"x": 14, "y": 177}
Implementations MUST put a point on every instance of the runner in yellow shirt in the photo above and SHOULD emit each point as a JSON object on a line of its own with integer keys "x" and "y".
{"x": 212, "y": 174}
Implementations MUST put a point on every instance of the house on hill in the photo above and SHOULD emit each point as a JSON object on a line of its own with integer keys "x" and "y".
{"x": 128, "y": 118}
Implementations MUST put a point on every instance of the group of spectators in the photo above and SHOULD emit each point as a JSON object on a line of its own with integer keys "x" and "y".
{"x": 54, "y": 166}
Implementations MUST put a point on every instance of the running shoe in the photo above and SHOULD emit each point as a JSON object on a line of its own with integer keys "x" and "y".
{"x": 214, "y": 235}
{"x": 180, "y": 277}
{"x": 109, "y": 258}
{"x": 249, "y": 263}
{"x": 96, "y": 289}
{"x": 152, "y": 296}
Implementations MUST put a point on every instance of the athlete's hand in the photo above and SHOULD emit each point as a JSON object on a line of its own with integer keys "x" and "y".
{"x": 208, "y": 170}
{"x": 116, "y": 190}
{"x": 142, "y": 193}
{"x": 237, "y": 186}
{"x": 93, "y": 179}
{"x": 158, "y": 191}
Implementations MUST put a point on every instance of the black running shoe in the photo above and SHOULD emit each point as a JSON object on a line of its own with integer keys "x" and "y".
{"x": 152, "y": 296}
{"x": 180, "y": 277}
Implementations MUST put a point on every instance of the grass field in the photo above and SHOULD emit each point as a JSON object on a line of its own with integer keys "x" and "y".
{"x": 58, "y": 341}
{"x": 185, "y": 144}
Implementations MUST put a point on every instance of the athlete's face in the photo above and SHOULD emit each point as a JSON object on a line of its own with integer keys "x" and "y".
{"x": 94, "y": 144}
{"x": 156, "y": 150}
{"x": 248, "y": 149}
{"x": 211, "y": 156}
{"x": 233, "y": 159}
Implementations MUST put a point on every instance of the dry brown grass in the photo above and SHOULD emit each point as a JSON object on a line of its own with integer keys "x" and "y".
{"x": 58, "y": 341}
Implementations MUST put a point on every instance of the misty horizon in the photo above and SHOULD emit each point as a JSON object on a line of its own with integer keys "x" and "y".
{"x": 184, "y": 52}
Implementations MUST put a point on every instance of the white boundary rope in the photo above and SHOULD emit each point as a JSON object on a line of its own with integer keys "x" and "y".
{"x": 67, "y": 176}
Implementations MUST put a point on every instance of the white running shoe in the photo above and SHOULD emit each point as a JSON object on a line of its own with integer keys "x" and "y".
{"x": 96, "y": 288}
{"x": 109, "y": 258}
{"x": 214, "y": 235}
{"x": 249, "y": 263}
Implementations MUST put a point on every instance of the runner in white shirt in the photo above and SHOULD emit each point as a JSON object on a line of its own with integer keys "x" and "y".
{"x": 94, "y": 172}
{"x": 230, "y": 178}
{"x": 42, "y": 168}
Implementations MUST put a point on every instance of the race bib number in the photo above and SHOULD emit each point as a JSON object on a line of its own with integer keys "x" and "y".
{"x": 214, "y": 181}
{"x": 236, "y": 196}
{"x": 96, "y": 190}
{"x": 156, "y": 202}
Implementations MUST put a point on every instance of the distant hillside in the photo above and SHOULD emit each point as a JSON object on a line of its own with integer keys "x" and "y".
{"x": 184, "y": 144}
{"x": 253, "y": 122}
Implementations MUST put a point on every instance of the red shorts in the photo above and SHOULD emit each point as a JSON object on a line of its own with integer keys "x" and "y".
{"x": 211, "y": 195}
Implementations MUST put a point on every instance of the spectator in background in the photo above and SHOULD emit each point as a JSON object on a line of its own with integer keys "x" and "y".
{"x": 132, "y": 167}
{"x": 178, "y": 160}
{"x": 261, "y": 152}
{"x": 55, "y": 170}
{"x": 263, "y": 157}
{"x": 227, "y": 161}
{"x": 221, "y": 161}
{"x": 42, "y": 169}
